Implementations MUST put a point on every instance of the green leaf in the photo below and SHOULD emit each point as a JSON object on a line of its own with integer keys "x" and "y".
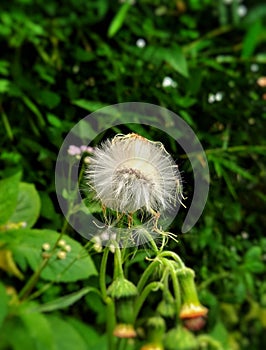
{"x": 54, "y": 120}
{"x": 89, "y": 335}
{"x": 4, "y": 67}
{"x": 231, "y": 165}
{"x": 251, "y": 39}
{"x": 49, "y": 99}
{"x": 220, "y": 333}
{"x": 39, "y": 330}
{"x": 34, "y": 109}
{"x": 27, "y": 244}
{"x": 175, "y": 57}
{"x": 9, "y": 189}
{"x": 65, "y": 336}
{"x": 3, "y": 303}
{"x": 90, "y": 106}
{"x": 4, "y": 85}
{"x": 47, "y": 206}
{"x": 254, "y": 253}
{"x": 14, "y": 335}
{"x": 119, "y": 19}
{"x": 28, "y": 205}
{"x": 65, "y": 301}
{"x": 253, "y": 261}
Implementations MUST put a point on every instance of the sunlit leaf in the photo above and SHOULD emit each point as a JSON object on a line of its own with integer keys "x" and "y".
{"x": 26, "y": 246}
{"x": 8, "y": 264}
{"x": 119, "y": 19}
{"x": 28, "y": 205}
{"x": 9, "y": 189}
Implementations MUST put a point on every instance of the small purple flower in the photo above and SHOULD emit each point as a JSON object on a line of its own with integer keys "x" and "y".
{"x": 77, "y": 151}
{"x": 73, "y": 150}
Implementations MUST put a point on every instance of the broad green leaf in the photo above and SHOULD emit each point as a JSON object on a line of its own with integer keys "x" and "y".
{"x": 3, "y": 303}
{"x": 9, "y": 189}
{"x": 65, "y": 301}
{"x": 253, "y": 260}
{"x": 28, "y": 205}
{"x": 220, "y": 333}
{"x": 119, "y": 19}
{"x": 93, "y": 340}
{"x": 47, "y": 206}
{"x": 27, "y": 244}
{"x": 65, "y": 336}
{"x": 14, "y": 335}
{"x": 175, "y": 57}
{"x": 254, "y": 253}
{"x": 39, "y": 330}
{"x": 49, "y": 99}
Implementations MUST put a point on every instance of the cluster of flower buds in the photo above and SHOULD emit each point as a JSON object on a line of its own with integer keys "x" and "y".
{"x": 13, "y": 226}
{"x": 64, "y": 248}
{"x": 105, "y": 238}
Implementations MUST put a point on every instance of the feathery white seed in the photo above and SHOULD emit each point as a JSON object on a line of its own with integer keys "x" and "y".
{"x": 130, "y": 172}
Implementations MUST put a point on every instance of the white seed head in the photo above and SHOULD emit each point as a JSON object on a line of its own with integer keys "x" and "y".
{"x": 129, "y": 173}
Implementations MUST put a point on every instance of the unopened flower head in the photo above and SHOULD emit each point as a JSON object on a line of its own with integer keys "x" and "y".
{"x": 130, "y": 172}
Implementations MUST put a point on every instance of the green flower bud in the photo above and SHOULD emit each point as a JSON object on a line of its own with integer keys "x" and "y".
{"x": 124, "y": 310}
{"x": 181, "y": 339}
{"x": 156, "y": 329}
{"x": 122, "y": 288}
{"x": 167, "y": 307}
{"x": 191, "y": 306}
{"x": 123, "y": 291}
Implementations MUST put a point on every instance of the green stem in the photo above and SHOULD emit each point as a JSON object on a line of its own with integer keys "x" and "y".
{"x": 174, "y": 256}
{"x": 176, "y": 288}
{"x": 110, "y": 325}
{"x": 209, "y": 35}
{"x": 152, "y": 287}
{"x": 118, "y": 268}
{"x": 146, "y": 274}
{"x": 209, "y": 281}
{"x": 25, "y": 291}
{"x": 102, "y": 281}
{"x": 6, "y": 123}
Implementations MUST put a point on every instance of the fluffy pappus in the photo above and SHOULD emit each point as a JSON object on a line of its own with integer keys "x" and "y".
{"x": 130, "y": 172}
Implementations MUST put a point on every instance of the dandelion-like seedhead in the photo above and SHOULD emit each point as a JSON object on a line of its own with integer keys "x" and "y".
{"x": 130, "y": 172}
{"x": 135, "y": 177}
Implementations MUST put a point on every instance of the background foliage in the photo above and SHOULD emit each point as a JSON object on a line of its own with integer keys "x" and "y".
{"x": 200, "y": 59}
